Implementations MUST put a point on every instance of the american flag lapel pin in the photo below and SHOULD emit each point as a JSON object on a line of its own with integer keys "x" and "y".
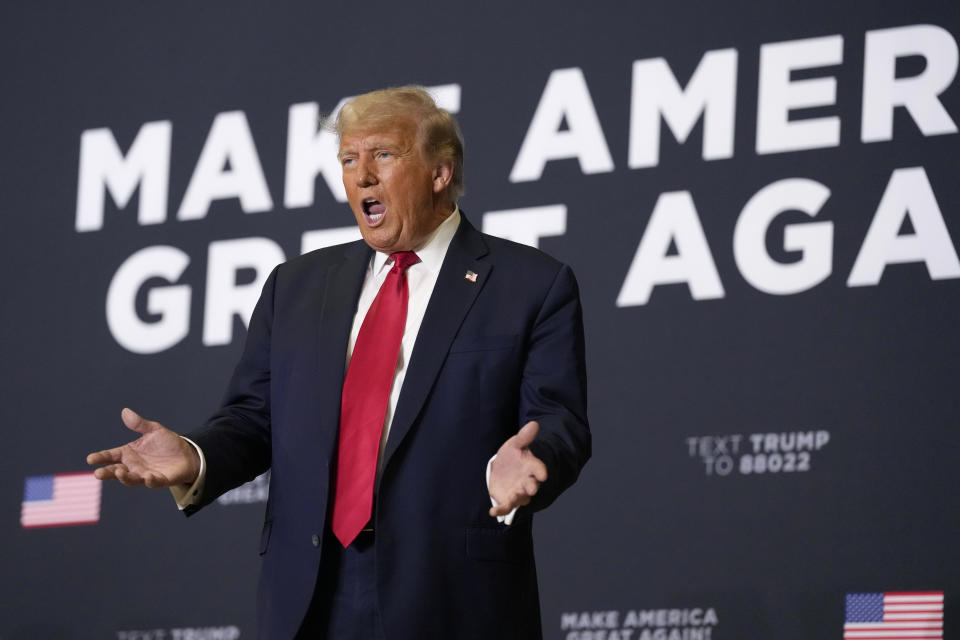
{"x": 471, "y": 276}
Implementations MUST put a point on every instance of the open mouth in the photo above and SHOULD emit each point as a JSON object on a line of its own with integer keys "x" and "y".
{"x": 373, "y": 211}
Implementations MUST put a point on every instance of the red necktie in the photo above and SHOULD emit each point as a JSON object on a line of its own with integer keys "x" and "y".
{"x": 366, "y": 393}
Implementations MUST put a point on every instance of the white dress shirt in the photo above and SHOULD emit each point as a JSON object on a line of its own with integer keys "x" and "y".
{"x": 421, "y": 279}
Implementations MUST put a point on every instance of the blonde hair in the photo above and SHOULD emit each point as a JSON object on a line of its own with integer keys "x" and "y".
{"x": 439, "y": 135}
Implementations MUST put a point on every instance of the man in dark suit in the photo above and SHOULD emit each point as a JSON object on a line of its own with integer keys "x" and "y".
{"x": 408, "y": 538}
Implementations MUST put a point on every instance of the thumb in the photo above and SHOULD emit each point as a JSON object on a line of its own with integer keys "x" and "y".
{"x": 526, "y": 435}
{"x": 133, "y": 421}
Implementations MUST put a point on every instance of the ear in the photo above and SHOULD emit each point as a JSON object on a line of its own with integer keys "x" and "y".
{"x": 442, "y": 175}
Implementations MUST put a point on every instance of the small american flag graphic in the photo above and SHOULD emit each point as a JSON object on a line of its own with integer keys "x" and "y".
{"x": 894, "y": 615}
{"x": 60, "y": 500}
{"x": 471, "y": 276}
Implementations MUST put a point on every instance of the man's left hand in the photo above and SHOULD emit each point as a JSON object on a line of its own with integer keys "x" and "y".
{"x": 515, "y": 473}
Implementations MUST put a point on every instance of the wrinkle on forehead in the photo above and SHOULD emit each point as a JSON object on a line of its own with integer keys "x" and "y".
{"x": 360, "y": 139}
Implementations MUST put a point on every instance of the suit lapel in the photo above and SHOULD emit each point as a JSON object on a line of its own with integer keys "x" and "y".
{"x": 338, "y": 307}
{"x": 452, "y": 297}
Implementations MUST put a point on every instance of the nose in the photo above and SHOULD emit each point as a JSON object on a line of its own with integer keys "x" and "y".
{"x": 365, "y": 176}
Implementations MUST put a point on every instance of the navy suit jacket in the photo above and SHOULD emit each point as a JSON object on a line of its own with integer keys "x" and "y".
{"x": 490, "y": 355}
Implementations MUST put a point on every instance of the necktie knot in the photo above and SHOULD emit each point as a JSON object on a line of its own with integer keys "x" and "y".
{"x": 404, "y": 259}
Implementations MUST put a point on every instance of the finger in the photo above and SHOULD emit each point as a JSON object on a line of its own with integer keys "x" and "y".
{"x": 516, "y": 500}
{"x": 128, "y": 478}
{"x": 526, "y": 435}
{"x": 538, "y": 469}
{"x": 133, "y": 421}
{"x": 531, "y": 486}
{"x": 106, "y": 456}
{"x": 505, "y": 504}
{"x": 106, "y": 473}
{"x": 155, "y": 480}
{"x": 519, "y": 499}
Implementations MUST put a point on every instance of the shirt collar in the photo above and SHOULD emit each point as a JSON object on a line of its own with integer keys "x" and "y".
{"x": 433, "y": 250}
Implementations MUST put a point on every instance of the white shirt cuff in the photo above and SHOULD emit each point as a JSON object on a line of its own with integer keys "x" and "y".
{"x": 507, "y": 519}
{"x": 188, "y": 496}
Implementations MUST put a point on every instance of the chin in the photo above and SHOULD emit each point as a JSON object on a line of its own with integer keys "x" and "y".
{"x": 378, "y": 244}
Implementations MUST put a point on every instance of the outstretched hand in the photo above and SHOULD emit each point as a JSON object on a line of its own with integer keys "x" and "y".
{"x": 158, "y": 458}
{"x": 516, "y": 474}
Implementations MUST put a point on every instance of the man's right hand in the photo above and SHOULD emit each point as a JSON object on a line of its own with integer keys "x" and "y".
{"x": 158, "y": 458}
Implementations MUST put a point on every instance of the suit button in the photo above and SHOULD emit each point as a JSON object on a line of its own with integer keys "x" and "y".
{"x": 315, "y": 539}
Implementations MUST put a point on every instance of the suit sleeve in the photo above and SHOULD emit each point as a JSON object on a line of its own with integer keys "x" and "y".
{"x": 554, "y": 388}
{"x": 236, "y": 439}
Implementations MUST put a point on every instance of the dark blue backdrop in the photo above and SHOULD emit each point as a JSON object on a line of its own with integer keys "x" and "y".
{"x": 757, "y": 455}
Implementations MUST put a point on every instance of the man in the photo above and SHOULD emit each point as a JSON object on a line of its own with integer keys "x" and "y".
{"x": 379, "y": 381}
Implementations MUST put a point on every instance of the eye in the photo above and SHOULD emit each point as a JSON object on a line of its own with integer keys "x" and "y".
{"x": 346, "y": 161}
{"x": 384, "y": 154}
